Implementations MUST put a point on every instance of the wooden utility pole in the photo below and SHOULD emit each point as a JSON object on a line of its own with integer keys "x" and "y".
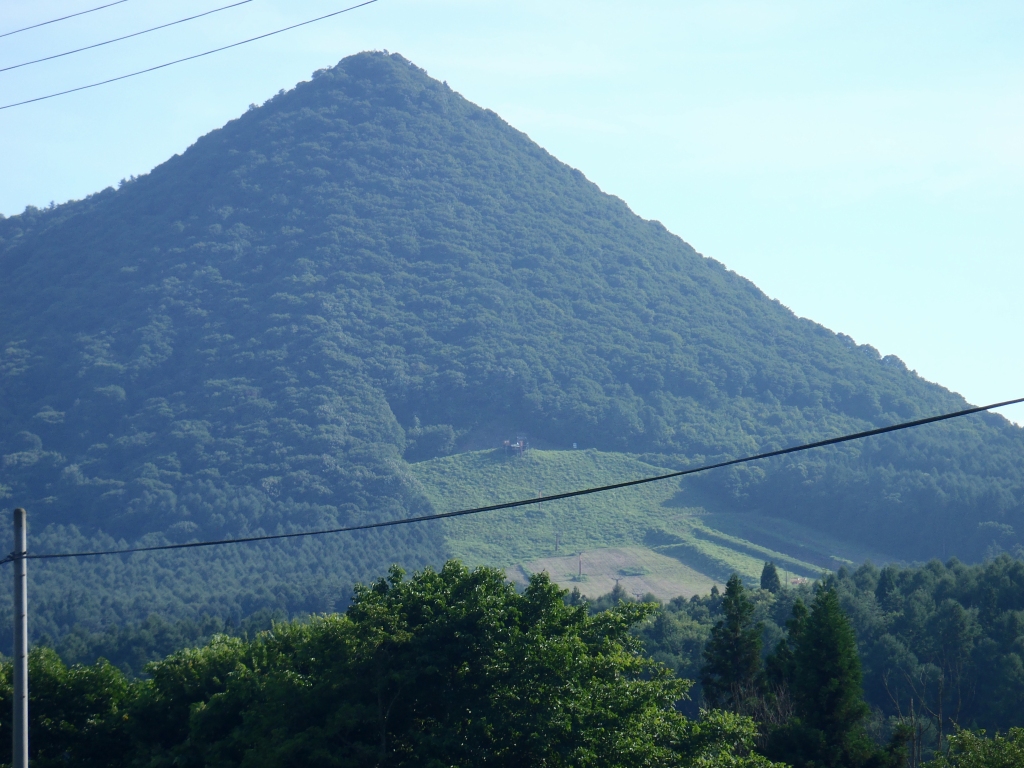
{"x": 20, "y": 734}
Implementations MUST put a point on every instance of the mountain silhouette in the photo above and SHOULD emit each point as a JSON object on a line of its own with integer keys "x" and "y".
{"x": 369, "y": 270}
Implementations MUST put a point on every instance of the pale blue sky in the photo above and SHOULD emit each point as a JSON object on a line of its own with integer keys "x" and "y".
{"x": 863, "y": 162}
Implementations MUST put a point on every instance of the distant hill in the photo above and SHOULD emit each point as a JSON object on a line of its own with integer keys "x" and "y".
{"x": 369, "y": 270}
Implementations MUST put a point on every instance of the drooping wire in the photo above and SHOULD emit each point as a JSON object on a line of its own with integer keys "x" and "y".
{"x": 62, "y": 18}
{"x": 528, "y": 502}
{"x": 124, "y": 37}
{"x": 186, "y": 58}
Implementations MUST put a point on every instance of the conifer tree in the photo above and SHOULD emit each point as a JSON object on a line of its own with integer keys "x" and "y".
{"x": 732, "y": 658}
{"x": 779, "y": 665}
{"x": 887, "y": 591}
{"x": 827, "y": 676}
{"x": 770, "y": 578}
{"x": 824, "y": 680}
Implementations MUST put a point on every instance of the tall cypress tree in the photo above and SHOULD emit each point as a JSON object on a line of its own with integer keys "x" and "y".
{"x": 732, "y": 657}
{"x": 822, "y": 667}
{"x": 827, "y": 677}
{"x": 770, "y": 578}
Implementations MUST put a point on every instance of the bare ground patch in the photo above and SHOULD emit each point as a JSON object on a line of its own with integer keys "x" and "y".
{"x": 639, "y": 570}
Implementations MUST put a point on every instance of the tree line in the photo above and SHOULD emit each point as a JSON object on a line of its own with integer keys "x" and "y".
{"x": 940, "y": 645}
{"x": 446, "y": 668}
{"x": 456, "y": 668}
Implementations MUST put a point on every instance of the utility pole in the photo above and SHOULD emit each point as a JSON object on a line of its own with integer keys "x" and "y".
{"x": 20, "y": 735}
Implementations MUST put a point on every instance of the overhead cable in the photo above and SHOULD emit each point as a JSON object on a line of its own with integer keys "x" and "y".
{"x": 69, "y": 16}
{"x": 529, "y": 502}
{"x": 124, "y": 37}
{"x": 186, "y": 58}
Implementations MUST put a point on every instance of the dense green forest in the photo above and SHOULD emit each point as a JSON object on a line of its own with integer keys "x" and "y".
{"x": 886, "y": 668}
{"x": 449, "y": 668}
{"x": 941, "y": 646}
{"x": 369, "y": 270}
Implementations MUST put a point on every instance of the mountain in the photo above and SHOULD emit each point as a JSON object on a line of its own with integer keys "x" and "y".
{"x": 267, "y": 332}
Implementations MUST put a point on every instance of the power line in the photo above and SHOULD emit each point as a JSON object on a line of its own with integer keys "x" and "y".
{"x": 62, "y": 18}
{"x": 124, "y": 37}
{"x": 187, "y": 58}
{"x": 537, "y": 500}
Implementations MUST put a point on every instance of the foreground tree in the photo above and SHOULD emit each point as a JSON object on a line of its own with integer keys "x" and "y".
{"x": 732, "y": 659}
{"x": 78, "y": 714}
{"x": 455, "y": 668}
{"x": 444, "y": 669}
{"x": 973, "y": 750}
{"x": 821, "y": 668}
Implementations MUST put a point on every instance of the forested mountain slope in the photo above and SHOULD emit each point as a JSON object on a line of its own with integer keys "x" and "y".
{"x": 369, "y": 270}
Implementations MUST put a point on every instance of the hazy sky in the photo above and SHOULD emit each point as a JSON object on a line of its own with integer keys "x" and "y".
{"x": 863, "y": 162}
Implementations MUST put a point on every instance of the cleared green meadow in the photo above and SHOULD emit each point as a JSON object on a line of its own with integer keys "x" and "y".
{"x": 646, "y": 518}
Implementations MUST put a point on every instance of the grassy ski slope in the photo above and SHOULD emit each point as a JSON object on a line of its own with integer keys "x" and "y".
{"x": 647, "y": 518}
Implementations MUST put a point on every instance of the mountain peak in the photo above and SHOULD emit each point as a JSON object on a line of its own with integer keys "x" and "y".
{"x": 370, "y": 270}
